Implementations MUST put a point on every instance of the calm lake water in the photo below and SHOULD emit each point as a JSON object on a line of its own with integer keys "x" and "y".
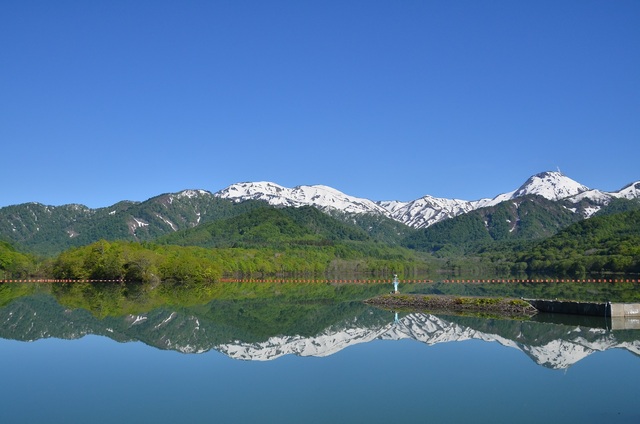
{"x": 279, "y": 361}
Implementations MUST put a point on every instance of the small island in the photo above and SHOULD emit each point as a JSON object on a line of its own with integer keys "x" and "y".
{"x": 484, "y": 305}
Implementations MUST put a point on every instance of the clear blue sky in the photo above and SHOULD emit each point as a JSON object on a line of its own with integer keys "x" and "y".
{"x": 102, "y": 101}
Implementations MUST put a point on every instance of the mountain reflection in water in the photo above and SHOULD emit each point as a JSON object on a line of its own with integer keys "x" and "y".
{"x": 263, "y": 330}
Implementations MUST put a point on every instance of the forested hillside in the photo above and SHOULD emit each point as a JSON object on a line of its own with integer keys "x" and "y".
{"x": 48, "y": 230}
{"x": 216, "y": 238}
{"x": 155, "y": 263}
{"x": 526, "y": 218}
{"x": 14, "y": 264}
{"x": 608, "y": 243}
{"x": 269, "y": 227}
{"x": 379, "y": 227}
{"x": 620, "y": 205}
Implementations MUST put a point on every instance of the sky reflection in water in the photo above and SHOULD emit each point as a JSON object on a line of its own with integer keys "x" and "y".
{"x": 95, "y": 379}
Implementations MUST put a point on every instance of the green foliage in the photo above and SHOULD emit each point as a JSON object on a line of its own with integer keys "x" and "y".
{"x": 522, "y": 219}
{"x": 244, "y": 304}
{"x": 151, "y": 263}
{"x": 202, "y": 238}
{"x": 619, "y": 206}
{"x": 601, "y": 244}
{"x": 478, "y": 301}
{"x": 12, "y": 291}
{"x": 519, "y": 237}
{"x": 223, "y": 313}
{"x": 14, "y": 264}
{"x": 269, "y": 227}
{"x": 378, "y": 227}
{"x": 451, "y": 236}
{"x": 41, "y": 228}
{"x": 587, "y": 292}
{"x": 49, "y": 230}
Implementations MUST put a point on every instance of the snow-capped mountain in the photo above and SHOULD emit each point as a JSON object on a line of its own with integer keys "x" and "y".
{"x": 631, "y": 191}
{"x": 320, "y": 196}
{"x": 50, "y": 229}
{"x": 550, "y": 185}
{"x": 428, "y": 210}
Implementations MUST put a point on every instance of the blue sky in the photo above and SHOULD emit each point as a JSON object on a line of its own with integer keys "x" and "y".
{"x": 102, "y": 101}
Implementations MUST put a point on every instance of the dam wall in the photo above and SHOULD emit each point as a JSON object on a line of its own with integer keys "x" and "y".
{"x": 625, "y": 310}
{"x": 605, "y": 309}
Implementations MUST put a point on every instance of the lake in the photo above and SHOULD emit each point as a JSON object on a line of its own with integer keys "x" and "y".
{"x": 77, "y": 355}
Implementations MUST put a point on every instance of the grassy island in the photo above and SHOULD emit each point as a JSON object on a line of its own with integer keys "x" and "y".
{"x": 475, "y": 305}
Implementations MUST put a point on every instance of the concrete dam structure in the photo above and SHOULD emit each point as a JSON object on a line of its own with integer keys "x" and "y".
{"x": 605, "y": 309}
{"x": 621, "y": 315}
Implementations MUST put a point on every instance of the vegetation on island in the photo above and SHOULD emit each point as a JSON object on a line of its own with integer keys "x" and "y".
{"x": 495, "y": 306}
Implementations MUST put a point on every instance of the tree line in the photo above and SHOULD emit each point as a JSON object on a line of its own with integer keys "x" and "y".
{"x": 304, "y": 242}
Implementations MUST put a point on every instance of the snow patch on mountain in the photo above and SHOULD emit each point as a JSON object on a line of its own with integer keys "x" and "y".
{"x": 484, "y": 203}
{"x": 192, "y": 193}
{"x": 596, "y": 196}
{"x": 551, "y": 185}
{"x": 173, "y": 226}
{"x": 631, "y": 191}
{"x": 320, "y": 196}
{"x": 392, "y": 206}
{"x": 427, "y": 210}
{"x": 135, "y": 223}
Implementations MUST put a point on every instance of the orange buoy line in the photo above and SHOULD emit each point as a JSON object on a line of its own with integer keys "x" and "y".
{"x": 340, "y": 281}
{"x": 552, "y": 280}
{"x": 55, "y": 280}
{"x": 421, "y": 281}
{"x": 337, "y": 281}
{"x": 315, "y": 280}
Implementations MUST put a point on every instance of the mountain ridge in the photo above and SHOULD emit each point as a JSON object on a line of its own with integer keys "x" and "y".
{"x": 428, "y": 210}
{"x": 49, "y": 229}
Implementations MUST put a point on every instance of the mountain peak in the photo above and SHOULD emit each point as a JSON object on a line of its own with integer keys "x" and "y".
{"x": 552, "y": 185}
{"x": 630, "y": 191}
{"x": 423, "y": 212}
{"x": 320, "y": 196}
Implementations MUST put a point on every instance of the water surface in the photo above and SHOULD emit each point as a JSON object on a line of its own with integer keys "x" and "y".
{"x": 314, "y": 362}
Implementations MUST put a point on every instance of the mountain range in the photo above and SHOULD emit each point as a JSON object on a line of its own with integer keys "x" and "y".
{"x": 50, "y": 229}
{"x": 428, "y": 210}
